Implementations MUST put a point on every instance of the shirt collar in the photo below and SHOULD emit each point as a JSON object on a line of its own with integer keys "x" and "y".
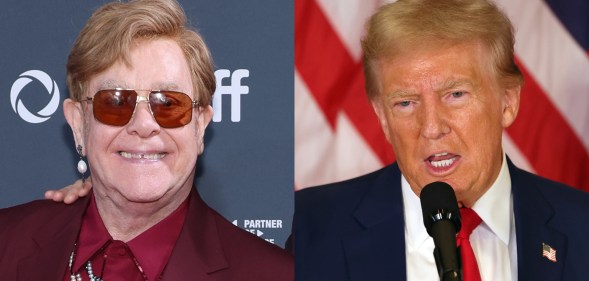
{"x": 415, "y": 232}
{"x": 492, "y": 208}
{"x": 152, "y": 248}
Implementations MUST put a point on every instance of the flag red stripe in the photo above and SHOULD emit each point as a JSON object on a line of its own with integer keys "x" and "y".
{"x": 320, "y": 58}
{"x": 360, "y": 112}
{"x": 338, "y": 83}
{"x": 547, "y": 140}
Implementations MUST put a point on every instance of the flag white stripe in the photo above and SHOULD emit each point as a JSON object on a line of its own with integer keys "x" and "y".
{"x": 322, "y": 156}
{"x": 518, "y": 158}
{"x": 348, "y": 20}
{"x": 353, "y": 156}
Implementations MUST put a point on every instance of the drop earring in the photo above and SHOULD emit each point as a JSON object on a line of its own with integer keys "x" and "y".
{"x": 82, "y": 166}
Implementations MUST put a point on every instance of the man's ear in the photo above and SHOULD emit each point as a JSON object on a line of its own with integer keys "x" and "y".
{"x": 511, "y": 99}
{"x": 75, "y": 118}
{"x": 382, "y": 117}
{"x": 204, "y": 118}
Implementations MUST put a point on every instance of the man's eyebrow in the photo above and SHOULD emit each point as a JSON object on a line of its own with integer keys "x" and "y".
{"x": 446, "y": 85}
{"x": 111, "y": 84}
{"x": 167, "y": 86}
{"x": 454, "y": 83}
{"x": 399, "y": 94}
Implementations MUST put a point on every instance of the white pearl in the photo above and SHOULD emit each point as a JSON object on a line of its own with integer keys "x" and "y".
{"x": 82, "y": 167}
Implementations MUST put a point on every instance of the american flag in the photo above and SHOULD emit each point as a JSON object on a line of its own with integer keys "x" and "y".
{"x": 548, "y": 252}
{"x": 337, "y": 135}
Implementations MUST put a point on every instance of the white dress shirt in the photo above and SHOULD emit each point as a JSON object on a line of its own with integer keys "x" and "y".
{"x": 493, "y": 241}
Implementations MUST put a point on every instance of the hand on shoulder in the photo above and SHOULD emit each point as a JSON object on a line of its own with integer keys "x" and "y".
{"x": 70, "y": 193}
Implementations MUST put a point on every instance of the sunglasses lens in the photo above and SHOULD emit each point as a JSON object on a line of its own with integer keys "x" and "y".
{"x": 114, "y": 107}
{"x": 171, "y": 109}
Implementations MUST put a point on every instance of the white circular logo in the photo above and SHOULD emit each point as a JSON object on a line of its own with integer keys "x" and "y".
{"x": 17, "y": 104}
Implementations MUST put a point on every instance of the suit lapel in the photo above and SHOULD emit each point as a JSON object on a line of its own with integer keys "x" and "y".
{"x": 378, "y": 251}
{"x": 198, "y": 253}
{"x": 55, "y": 242}
{"x": 532, "y": 223}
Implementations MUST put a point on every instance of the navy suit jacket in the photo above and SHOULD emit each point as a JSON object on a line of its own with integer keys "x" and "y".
{"x": 36, "y": 240}
{"x": 354, "y": 230}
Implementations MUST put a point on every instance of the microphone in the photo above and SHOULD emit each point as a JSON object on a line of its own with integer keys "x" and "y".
{"x": 441, "y": 218}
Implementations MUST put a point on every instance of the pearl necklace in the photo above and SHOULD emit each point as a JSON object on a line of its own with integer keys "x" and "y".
{"x": 78, "y": 276}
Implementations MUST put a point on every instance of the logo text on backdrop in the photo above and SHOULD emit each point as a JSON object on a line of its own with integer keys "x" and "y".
{"x": 234, "y": 89}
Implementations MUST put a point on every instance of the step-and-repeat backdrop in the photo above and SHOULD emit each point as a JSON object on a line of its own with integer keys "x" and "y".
{"x": 246, "y": 172}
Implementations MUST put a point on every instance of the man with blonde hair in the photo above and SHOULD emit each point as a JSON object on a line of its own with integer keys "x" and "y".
{"x": 140, "y": 86}
{"x": 443, "y": 82}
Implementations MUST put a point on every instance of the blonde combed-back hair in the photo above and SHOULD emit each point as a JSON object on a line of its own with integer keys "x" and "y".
{"x": 110, "y": 32}
{"x": 409, "y": 24}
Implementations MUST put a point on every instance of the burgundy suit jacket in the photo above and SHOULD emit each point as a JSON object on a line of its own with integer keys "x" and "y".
{"x": 37, "y": 238}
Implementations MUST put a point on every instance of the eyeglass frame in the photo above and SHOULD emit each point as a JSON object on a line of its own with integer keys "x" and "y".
{"x": 140, "y": 98}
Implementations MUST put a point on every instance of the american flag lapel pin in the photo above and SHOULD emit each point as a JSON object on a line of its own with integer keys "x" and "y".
{"x": 548, "y": 252}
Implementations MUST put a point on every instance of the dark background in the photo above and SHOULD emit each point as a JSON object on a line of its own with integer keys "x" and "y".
{"x": 246, "y": 172}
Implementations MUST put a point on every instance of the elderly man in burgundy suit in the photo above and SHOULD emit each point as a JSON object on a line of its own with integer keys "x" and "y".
{"x": 141, "y": 84}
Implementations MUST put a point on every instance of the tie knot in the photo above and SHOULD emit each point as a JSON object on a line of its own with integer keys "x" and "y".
{"x": 470, "y": 220}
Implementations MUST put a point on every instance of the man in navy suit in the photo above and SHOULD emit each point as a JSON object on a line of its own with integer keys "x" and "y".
{"x": 443, "y": 82}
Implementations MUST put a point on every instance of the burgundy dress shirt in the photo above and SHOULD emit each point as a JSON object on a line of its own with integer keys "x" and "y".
{"x": 142, "y": 258}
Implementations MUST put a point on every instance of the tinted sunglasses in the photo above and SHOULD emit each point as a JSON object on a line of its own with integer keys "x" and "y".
{"x": 116, "y": 107}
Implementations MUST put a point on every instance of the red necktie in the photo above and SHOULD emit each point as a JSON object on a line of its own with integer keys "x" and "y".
{"x": 470, "y": 269}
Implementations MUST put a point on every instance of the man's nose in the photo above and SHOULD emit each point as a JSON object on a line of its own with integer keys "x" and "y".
{"x": 434, "y": 123}
{"x": 143, "y": 122}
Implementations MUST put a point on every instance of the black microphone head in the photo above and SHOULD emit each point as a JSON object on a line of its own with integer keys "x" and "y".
{"x": 438, "y": 202}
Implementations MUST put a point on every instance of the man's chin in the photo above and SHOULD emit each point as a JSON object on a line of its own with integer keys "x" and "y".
{"x": 144, "y": 196}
